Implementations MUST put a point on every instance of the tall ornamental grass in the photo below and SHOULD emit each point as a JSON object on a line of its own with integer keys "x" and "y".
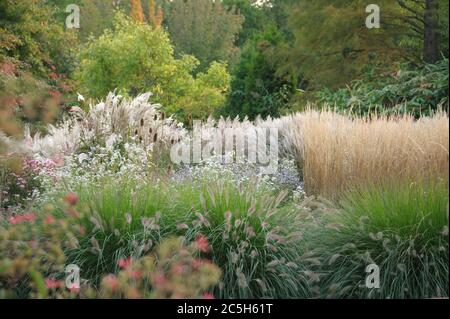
{"x": 337, "y": 152}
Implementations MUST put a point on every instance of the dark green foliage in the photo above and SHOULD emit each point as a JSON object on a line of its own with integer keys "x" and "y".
{"x": 254, "y": 18}
{"x": 418, "y": 91}
{"x": 332, "y": 45}
{"x": 256, "y": 89}
{"x": 204, "y": 29}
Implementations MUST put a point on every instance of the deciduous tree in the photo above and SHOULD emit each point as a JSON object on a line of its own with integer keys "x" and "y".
{"x": 205, "y": 29}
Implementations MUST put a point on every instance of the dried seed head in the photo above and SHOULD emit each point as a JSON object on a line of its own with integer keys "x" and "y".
{"x": 261, "y": 284}
{"x": 242, "y": 280}
{"x": 333, "y": 259}
{"x": 234, "y": 258}
{"x": 182, "y": 226}
{"x": 273, "y": 263}
{"x": 292, "y": 265}
{"x": 95, "y": 244}
{"x": 227, "y": 216}
{"x": 155, "y": 137}
{"x": 313, "y": 277}
{"x": 128, "y": 218}
{"x": 146, "y": 222}
{"x": 96, "y": 223}
{"x": 142, "y": 121}
{"x": 250, "y": 232}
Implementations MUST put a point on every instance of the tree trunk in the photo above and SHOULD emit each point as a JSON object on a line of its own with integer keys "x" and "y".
{"x": 431, "y": 36}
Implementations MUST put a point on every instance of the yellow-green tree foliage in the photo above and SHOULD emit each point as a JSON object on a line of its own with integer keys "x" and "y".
{"x": 135, "y": 58}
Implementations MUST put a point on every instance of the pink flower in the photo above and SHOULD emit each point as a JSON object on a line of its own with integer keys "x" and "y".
{"x": 178, "y": 269}
{"x": 73, "y": 213}
{"x": 111, "y": 282}
{"x": 196, "y": 263}
{"x": 18, "y": 219}
{"x": 160, "y": 280}
{"x": 29, "y": 217}
{"x": 135, "y": 274}
{"x": 34, "y": 244}
{"x": 58, "y": 160}
{"x": 52, "y": 283}
{"x": 71, "y": 199}
{"x": 7, "y": 68}
{"x": 74, "y": 290}
{"x": 208, "y": 295}
{"x": 14, "y": 220}
{"x": 202, "y": 243}
{"x": 49, "y": 219}
{"x": 54, "y": 76}
{"x": 125, "y": 263}
{"x": 54, "y": 93}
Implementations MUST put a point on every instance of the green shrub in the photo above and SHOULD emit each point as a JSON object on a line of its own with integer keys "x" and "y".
{"x": 32, "y": 254}
{"x": 33, "y": 263}
{"x": 402, "y": 229}
{"x": 174, "y": 271}
{"x": 418, "y": 91}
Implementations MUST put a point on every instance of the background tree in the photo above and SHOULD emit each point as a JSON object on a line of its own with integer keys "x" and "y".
{"x": 95, "y": 15}
{"x": 253, "y": 15}
{"x": 255, "y": 87}
{"x": 332, "y": 45}
{"x": 136, "y": 11}
{"x": 428, "y": 20}
{"x": 135, "y": 58}
{"x": 33, "y": 39}
{"x": 155, "y": 14}
{"x": 205, "y": 29}
{"x": 36, "y": 61}
{"x": 331, "y": 42}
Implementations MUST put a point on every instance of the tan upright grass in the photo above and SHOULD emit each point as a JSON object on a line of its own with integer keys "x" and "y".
{"x": 337, "y": 151}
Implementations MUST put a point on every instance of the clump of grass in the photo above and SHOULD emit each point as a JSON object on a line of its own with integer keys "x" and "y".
{"x": 403, "y": 229}
{"x": 254, "y": 237}
{"x": 337, "y": 152}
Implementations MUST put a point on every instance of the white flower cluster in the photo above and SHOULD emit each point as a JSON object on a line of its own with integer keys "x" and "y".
{"x": 240, "y": 172}
{"x": 97, "y": 165}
